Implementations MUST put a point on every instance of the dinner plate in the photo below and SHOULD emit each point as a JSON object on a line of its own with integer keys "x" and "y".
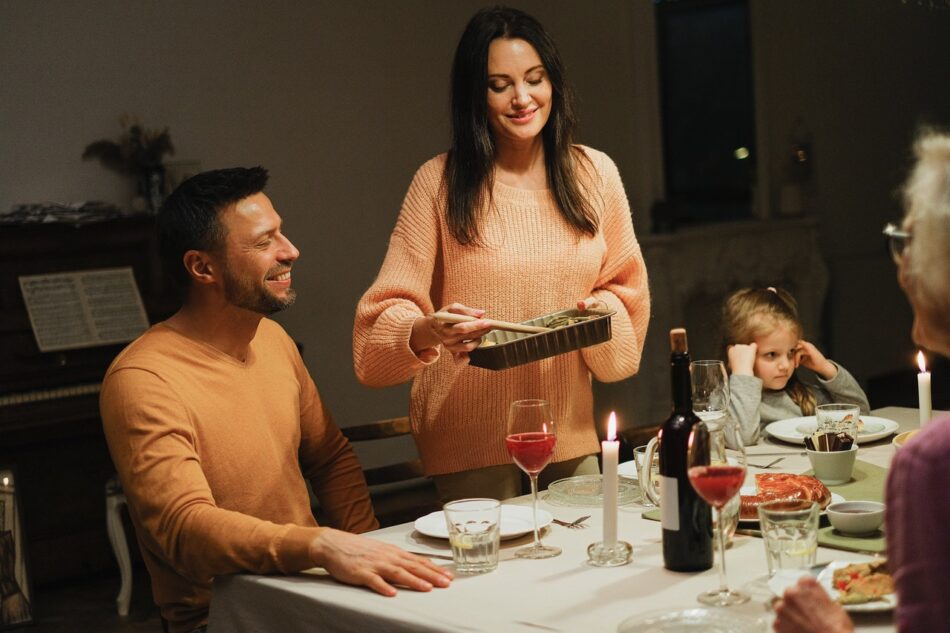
{"x": 826, "y": 577}
{"x": 700, "y": 620}
{"x": 750, "y": 490}
{"x": 628, "y": 470}
{"x": 902, "y": 438}
{"x": 515, "y": 521}
{"x": 794, "y": 430}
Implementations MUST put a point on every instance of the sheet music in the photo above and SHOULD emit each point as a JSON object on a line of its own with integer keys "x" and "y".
{"x": 83, "y": 308}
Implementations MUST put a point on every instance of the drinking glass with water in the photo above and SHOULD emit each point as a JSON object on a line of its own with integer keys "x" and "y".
{"x": 790, "y": 533}
{"x": 474, "y": 527}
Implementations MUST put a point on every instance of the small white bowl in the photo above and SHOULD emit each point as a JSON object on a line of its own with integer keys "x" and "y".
{"x": 856, "y": 517}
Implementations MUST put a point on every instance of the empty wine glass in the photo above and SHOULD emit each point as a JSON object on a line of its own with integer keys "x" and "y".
{"x": 530, "y": 441}
{"x": 717, "y": 482}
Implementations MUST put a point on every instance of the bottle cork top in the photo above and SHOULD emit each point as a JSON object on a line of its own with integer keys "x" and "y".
{"x": 678, "y": 340}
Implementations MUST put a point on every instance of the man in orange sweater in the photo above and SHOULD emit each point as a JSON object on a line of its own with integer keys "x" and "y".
{"x": 214, "y": 423}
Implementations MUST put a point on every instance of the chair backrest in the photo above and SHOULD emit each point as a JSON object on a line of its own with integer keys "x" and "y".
{"x": 416, "y": 496}
{"x": 381, "y": 430}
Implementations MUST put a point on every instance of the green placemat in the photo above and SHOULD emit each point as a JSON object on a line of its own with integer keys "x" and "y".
{"x": 867, "y": 484}
{"x": 830, "y": 537}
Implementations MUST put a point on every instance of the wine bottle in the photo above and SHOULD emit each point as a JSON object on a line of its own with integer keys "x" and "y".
{"x": 686, "y": 518}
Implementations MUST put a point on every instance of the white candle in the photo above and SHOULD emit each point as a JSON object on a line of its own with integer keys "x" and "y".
{"x": 610, "y": 449}
{"x": 923, "y": 390}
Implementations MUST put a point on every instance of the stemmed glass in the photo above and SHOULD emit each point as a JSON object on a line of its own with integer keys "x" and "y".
{"x": 710, "y": 390}
{"x": 530, "y": 441}
{"x": 717, "y": 482}
{"x": 710, "y": 383}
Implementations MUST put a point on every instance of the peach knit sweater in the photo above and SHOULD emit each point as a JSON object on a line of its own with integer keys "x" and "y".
{"x": 213, "y": 453}
{"x": 531, "y": 263}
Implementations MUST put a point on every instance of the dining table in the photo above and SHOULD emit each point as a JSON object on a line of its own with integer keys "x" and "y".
{"x": 559, "y": 594}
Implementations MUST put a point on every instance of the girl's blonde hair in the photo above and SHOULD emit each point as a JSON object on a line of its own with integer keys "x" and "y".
{"x": 753, "y": 312}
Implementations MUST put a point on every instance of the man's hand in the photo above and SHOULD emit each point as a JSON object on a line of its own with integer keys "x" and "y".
{"x": 809, "y": 356}
{"x": 358, "y": 560}
{"x": 807, "y": 608}
{"x": 742, "y": 359}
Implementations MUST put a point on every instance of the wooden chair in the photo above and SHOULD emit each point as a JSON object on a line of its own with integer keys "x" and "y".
{"x": 631, "y": 438}
{"x": 400, "y": 492}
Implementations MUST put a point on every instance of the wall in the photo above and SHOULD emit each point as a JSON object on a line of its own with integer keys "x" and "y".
{"x": 343, "y": 101}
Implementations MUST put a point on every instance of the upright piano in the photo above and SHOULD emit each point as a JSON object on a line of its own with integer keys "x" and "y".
{"x": 50, "y": 430}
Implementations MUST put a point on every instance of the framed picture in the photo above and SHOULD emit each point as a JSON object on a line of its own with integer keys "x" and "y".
{"x": 15, "y": 593}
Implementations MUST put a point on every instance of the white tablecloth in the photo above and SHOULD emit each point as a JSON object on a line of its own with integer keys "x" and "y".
{"x": 558, "y": 594}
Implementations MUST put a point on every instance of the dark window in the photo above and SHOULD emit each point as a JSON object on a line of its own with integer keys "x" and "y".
{"x": 707, "y": 109}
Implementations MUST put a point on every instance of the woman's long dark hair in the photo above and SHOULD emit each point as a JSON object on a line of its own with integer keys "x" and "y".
{"x": 469, "y": 171}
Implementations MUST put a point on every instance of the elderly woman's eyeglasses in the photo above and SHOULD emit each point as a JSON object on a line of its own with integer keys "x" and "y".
{"x": 897, "y": 241}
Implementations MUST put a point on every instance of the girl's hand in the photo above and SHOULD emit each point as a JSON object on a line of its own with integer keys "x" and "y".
{"x": 459, "y": 338}
{"x": 808, "y": 355}
{"x": 742, "y": 359}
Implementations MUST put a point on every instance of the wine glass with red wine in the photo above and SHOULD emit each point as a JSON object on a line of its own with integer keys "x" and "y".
{"x": 530, "y": 441}
{"x": 717, "y": 482}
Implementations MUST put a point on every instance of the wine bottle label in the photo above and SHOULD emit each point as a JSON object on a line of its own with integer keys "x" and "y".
{"x": 669, "y": 503}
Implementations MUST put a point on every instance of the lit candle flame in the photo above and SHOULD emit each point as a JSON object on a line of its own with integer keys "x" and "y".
{"x": 612, "y": 427}
{"x": 921, "y": 362}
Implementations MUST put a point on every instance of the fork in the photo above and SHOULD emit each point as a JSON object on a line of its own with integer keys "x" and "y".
{"x": 769, "y": 465}
{"x": 576, "y": 524}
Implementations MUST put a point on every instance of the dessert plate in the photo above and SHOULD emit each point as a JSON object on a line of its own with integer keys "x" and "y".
{"x": 794, "y": 430}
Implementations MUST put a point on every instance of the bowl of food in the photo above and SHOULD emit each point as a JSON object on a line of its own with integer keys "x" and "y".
{"x": 904, "y": 437}
{"x": 856, "y": 517}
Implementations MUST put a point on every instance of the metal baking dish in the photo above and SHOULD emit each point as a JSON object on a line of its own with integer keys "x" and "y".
{"x": 503, "y": 350}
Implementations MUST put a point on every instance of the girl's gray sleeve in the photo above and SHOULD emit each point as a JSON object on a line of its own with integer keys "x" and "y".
{"x": 745, "y": 396}
{"x": 844, "y": 388}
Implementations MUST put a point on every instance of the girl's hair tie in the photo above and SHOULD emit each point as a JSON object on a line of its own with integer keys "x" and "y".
{"x": 772, "y": 289}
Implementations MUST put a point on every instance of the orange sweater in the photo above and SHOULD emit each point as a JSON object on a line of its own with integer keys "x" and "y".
{"x": 210, "y": 452}
{"x": 532, "y": 262}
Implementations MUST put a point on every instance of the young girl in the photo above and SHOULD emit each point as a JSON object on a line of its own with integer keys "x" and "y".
{"x": 775, "y": 373}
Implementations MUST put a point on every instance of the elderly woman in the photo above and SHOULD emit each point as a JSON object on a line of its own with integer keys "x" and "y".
{"x": 918, "y": 542}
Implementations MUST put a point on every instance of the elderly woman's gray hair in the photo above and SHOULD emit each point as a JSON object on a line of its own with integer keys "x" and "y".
{"x": 926, "y": 270}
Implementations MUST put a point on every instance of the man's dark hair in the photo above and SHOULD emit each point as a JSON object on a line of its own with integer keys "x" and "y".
{"x": 188, "y": 219}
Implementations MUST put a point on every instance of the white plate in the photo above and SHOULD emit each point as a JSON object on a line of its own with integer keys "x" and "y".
{"x": 826, "y": 577}
{"x": 750, "y": 490}
{"x": 628, "y": 470}
{"x": 794, "y": 430}
{"x": 515, "y": 521}
{"x": 700, "y": 620}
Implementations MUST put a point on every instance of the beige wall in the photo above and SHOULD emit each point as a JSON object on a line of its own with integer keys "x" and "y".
{"x": 343, "y": 100}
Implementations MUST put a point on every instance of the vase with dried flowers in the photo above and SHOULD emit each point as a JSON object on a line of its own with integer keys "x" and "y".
{"x": 138, "y": 153}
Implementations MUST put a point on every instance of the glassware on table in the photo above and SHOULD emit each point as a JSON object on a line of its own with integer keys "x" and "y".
{"x": 474, "y": 527}
{"x": 838, "y": 418}
{"x": 648, "y": 478}
{"x": 790, "y": 533}
{"x": 717, "y": 483}
{"x": 710, "y": 384}
{"x": 530, "y": 440}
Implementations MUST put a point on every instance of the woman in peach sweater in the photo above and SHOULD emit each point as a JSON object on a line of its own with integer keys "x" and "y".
{"x": 516, "y": 220}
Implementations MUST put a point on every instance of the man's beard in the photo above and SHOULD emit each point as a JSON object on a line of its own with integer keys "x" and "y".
{"x": 245, "y": 294}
